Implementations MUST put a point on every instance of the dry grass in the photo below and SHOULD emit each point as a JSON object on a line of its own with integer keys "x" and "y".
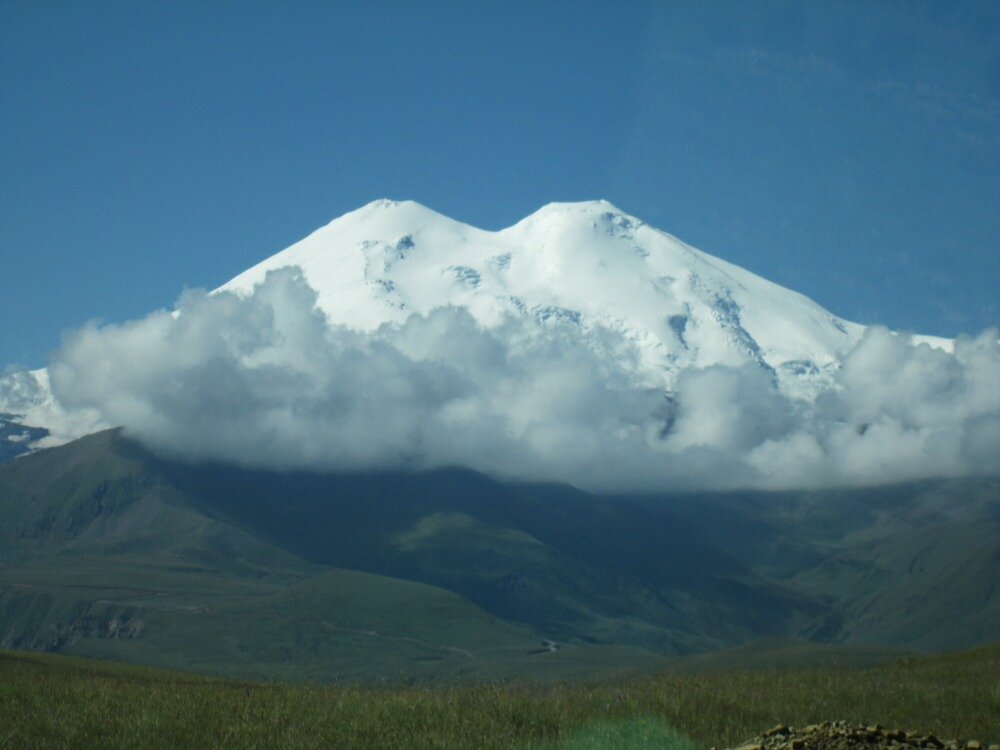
{"x": 55, "y": 702}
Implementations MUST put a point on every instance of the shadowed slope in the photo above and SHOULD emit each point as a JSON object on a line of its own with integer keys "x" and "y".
{"x": 108, "y": 550}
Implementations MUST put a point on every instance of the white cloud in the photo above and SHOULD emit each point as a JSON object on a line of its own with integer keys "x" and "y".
{"x": 262, "y": 380}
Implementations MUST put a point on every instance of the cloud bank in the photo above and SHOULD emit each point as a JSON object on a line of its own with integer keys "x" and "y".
{"x": 264, "y": 380}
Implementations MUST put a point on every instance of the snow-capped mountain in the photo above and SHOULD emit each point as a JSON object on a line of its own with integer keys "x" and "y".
{"x": 584, "y": 266}
{"x": 587, "y": 264}
{"x": 32, "y": 418}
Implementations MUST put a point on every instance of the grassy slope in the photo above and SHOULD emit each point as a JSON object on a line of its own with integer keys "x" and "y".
{"x": 574, "y": 566}
{"x": 914, "y": 564}
{"x": 109, "y": 559}
{"x": 235, "y": 571}
{"x": 779, "y": 653}
{"x": 521, "y": 557}
{"x": 923, "y": 572}
{"x": 50, "y": 701}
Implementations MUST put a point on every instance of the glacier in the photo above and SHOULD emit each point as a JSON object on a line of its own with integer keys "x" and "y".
{"x": 588, "y": 263}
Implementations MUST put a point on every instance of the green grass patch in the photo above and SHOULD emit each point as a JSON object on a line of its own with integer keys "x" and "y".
{"x": 48, "y": 701}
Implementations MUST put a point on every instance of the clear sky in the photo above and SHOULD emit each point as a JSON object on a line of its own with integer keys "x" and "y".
{"x": 850, "y": 151}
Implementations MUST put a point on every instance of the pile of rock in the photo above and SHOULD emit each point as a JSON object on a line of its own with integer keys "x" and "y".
{"x": 839, "y": 735}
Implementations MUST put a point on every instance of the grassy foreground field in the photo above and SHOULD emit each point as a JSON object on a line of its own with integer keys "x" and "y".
{"x": 49, "y": 701}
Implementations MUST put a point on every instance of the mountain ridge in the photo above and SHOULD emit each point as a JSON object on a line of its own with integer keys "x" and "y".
{"x": 682, "y": 315}
{"x": 578, "y": 320}
{"x": 572, "y": 254}
{"x": 101, "y": 531}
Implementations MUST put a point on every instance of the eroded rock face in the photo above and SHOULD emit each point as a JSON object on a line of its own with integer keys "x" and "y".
{"x": 126, "y": 626}
{"x": 838, "y": 735}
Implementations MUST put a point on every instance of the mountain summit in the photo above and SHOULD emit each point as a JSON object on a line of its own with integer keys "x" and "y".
{"x": 588, "y": 265}
{"x": 579, "y": 345}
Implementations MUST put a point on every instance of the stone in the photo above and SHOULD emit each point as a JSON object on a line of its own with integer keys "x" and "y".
{"x": 840, "y": 735}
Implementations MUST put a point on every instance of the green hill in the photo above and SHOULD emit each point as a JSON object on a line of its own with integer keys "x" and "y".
{"x": 107, "y": 550}
{"x": 912, "y": 565}
{"x": 104, "y": 556}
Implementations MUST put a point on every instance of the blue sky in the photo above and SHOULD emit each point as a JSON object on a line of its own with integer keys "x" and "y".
{"x": 850, "y": 151}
